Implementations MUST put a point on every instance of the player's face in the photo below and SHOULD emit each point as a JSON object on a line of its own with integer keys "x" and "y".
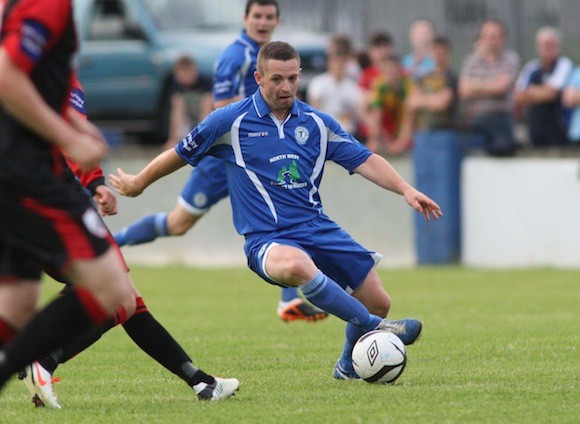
{"x": 261, "y": 22}
{"x": 279, "y": 84}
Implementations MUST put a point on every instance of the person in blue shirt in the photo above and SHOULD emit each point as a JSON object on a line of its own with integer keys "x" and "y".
{"x": 206, "y": 186}
{"x": 274, "y": 157}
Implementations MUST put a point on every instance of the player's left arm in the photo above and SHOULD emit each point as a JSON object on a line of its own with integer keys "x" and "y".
{"x": 379, "y": 171}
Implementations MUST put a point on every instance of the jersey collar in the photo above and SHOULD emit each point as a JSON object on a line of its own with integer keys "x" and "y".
{"x": 245, "y": 38}
{"x": 262, "y": 108}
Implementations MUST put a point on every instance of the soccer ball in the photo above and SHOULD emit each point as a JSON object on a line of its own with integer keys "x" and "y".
{"x": 379, "y": 357}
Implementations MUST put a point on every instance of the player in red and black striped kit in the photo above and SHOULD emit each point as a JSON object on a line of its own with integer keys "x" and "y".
{"x": 44, "y": 222}
{"x": 134, "y": 316}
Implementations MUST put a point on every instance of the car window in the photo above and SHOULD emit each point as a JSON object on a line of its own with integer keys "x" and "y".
{"x": 200, "y": 14}
{"x": 110, "y": 20}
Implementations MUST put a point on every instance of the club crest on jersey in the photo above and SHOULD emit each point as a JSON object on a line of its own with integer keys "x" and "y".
{"x": 200, "y": 200}
{"x": 301, "y": 135}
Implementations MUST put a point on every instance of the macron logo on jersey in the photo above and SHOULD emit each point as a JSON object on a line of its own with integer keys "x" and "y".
{"x": 34, "y": 37}
{"x": 258, "y": 134}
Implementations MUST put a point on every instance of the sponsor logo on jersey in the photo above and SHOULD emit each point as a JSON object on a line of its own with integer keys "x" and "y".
{"x": 189, "y": 143}
{"x": 94, "y": 223}
{"x": 301, "y": 134}
{"x": 77, "y": 100}
{"x": 289, "y": 177}
{"x": 258, "y": 134}
{"x": 34, "y": 37}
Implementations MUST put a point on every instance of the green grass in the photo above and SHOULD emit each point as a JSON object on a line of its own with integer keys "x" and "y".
{"x": 497, "y": 347}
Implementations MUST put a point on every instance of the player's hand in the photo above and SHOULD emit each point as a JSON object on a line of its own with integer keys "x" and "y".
{"x": 423, "y": 204}
{"x": 87, "y": 151}
{"x": 125, "y": 184}
{"x": 105, "y": 200}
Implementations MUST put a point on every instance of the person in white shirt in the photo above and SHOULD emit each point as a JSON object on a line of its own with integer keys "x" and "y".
{"x": 334, "y": 92}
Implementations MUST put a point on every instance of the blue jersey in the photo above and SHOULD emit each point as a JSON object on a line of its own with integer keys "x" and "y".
{"x": 273, "y": 168}
{"x": 234, "y": 71}
{"x": 234, "y": 76}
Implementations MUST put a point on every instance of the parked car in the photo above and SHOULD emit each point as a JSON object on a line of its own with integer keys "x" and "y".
{"x": 127, "y": 48}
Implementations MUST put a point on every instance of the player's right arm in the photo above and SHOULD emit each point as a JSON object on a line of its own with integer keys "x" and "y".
{"x": 133, "y": 185}
{"x": 189, "y": 150}
{"x": 28, "y": 33}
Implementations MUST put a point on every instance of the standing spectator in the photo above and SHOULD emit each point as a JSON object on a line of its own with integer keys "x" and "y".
{"x": 432, "y": 98}
{"x": 389, "y": 92}
{"x": 486, "y": 85}
{"x": 379, "y": 46}
{"x": 539, "y": 89}
{"x": 419, "y": 61}
{"x": 334, "y": 92}
{"x": 571, "y": 99}
{"x": 190, "y": 99}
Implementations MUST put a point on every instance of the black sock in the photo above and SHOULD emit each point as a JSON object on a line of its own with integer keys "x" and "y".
{"x": 154, "y": 340}
{"x": 80, "y": 343}
{"x": 54, "y": 326}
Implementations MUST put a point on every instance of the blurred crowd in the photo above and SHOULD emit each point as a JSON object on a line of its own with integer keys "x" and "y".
{"x": 384, "y": 97}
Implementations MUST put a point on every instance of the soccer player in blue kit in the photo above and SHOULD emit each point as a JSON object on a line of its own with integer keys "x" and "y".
{"x": 206, "y": 186}
{"x": 275, "y": 156}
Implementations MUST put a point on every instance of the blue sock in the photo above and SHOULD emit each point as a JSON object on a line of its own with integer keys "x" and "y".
{"x": 353, "y": 333}
{"x": 143, "y": 231}
{"x": 289, "y": 293}
{"x": 329, "y": 296}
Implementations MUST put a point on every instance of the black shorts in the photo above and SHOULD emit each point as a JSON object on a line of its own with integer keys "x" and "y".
{"x": 46, "y": 224}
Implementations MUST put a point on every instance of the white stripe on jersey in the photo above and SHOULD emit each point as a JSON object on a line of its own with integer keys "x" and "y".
{"x": 319, "y": 165}
{"x": 241, "y": 74}
{"x": 235, "y": 132}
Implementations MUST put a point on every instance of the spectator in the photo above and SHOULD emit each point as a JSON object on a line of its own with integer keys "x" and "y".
{"x": 539, "y": 89}
{"x": 571, "y": 99}
{"x": 486, "y": 85}
{"x": 190, "y": 99}
{"x": 389, "y": 92}
{"x": 379, "y": 46}
{"x": 334, "y": 92}
{"x": 419, "y": 61}
{"x": 431, "y": 101}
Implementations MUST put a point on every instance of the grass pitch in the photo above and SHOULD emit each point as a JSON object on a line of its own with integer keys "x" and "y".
{"x": 497, "y": 347}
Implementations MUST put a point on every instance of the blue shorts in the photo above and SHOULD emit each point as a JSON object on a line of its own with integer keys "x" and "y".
{"x": 331, "y": 248}
{"x": 206, "y": 186}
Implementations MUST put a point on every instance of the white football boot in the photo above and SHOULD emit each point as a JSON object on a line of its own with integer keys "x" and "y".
{"x": 221, "y": 389}
{"x": 39, "y": 383}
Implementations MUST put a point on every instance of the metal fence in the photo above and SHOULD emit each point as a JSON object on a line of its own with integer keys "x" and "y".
{"x": 458, "y": 19}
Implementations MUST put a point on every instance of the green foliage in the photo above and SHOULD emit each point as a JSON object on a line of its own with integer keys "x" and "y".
{"x": 497, "y": 347}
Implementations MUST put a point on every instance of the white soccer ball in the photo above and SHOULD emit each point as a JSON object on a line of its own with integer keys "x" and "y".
{"x": 379, "y": 357}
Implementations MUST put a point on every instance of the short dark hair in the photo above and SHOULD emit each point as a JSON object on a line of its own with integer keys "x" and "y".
{"x": 341, "y": 45}
{"x": 380, "y": 39}
{"x": 184, "y": 62}
{"x": 250, "y": 3}
{"x": 442, "y": 40}
{"x": 276, "y": 50}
